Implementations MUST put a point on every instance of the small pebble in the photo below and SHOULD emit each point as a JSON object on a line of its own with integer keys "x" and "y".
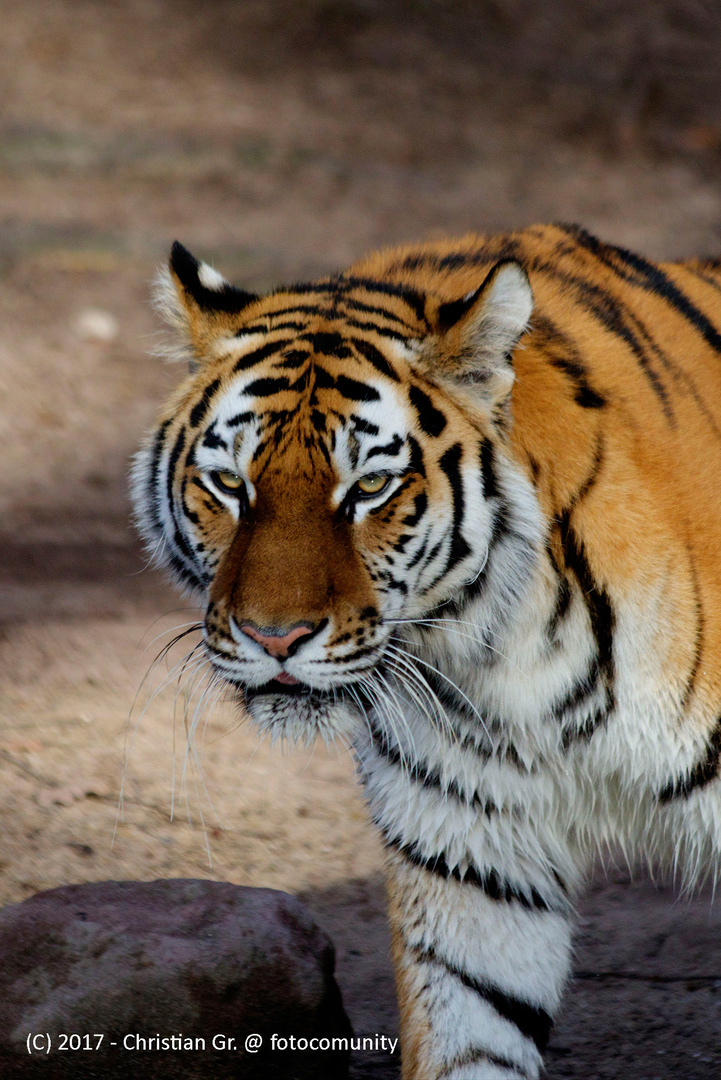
{"x": 94, "y": 324}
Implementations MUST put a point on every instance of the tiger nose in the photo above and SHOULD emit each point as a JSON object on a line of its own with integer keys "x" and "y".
{"x": 276, "y": 642}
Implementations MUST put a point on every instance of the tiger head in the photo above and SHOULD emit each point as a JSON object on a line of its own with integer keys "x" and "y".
{"x": 332, "y": 471}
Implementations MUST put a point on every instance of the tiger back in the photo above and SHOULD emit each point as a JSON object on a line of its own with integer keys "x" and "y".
{"x": 460, "y": 506}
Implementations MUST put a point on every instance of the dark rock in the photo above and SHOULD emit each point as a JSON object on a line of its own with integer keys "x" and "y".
{"x": 184, "y": 958}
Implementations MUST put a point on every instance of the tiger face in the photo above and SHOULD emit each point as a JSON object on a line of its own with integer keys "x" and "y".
{"x": 329, "y": 471}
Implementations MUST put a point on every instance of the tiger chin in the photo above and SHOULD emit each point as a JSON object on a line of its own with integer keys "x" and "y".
{"x": 459, "y": 506}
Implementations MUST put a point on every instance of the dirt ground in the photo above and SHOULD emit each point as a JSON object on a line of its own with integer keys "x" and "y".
{"x": 280, "y": 140}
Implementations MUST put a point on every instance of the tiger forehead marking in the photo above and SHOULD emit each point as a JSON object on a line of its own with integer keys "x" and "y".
{"x": 295, "y": 410}
{"x": 460, "y": 506}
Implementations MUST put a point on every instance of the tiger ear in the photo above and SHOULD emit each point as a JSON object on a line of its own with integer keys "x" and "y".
{"x": 477, "y": 334}
{"x": 196, "y": 300}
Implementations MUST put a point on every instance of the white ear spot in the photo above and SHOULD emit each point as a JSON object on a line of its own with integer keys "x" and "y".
{"x": 210, "y": 278}
{"x": 509, "y": 305}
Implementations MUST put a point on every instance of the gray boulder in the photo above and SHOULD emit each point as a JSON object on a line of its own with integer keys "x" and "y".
{"x": 174, "y": 975}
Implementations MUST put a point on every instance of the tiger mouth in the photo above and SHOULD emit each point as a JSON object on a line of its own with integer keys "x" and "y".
{"x": 297, "y": 689}
{"x": 274, "y": 688}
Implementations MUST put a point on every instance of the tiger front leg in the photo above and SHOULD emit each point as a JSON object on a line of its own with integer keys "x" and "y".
{"x": 479, "y": 974}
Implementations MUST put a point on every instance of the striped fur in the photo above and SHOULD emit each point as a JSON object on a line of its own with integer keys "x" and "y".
{"x": 517, "y": 626}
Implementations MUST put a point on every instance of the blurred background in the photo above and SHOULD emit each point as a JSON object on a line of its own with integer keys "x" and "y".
{"x": 283, "y": 138}
{"x": 280, "y": 139}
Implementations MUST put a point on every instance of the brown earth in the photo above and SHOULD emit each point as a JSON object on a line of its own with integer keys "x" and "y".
{"x": 279, "y": 140}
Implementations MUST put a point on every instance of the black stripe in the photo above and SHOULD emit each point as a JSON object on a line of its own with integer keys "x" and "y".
{"x": 199, "y": 410}
{"x": 564, "y": 355}
{"x": 500, "y": 530}
{"x": 652, "y": 278}
{"x": 592, "y": 478}
{"x": 584, "y": 730}
{"x": 583, "y": 394}
{"x": 459, "y": 548}
{"x": 476, "y": 1055}
{"x": 489, "y": 881}
{"x": 678, "y": 373}
{"x": 375, "y": 357}
{"x": 561, "y": 607}
{"x": 598, "y": 604}
{"x": 350, "y": 303}
{"x": 577, "y": 696}
{"x": 610, "y": 312}
{"x": 392, "y": 449}
{"x": 391, "y": 582}
{"x": 296, "y": 309}
{"x": 354, "y": 390}
{"x": 488, "y": 472}
{"x": 382, "y": 331}
{"x": 181, "y": 571}
{"x": 368, "y": 650}
{"x": 532, "y": 1021}
{"x": 424, "y": 774}
{"x": 255, "y": 356}
{"x": 266, "y": 387}
{"x": 208, "y": 493}
{"x": 596, "y": 599}
{"x": 418, "y": 555}
{"x": 699, "y": 636}
{"x": 415, "y": 300}
{"x": 416, "y": 463}
{"x": 432, "y": 421}
{"x": 327, "y": 343}
{"x": 453, "y": 261}
{"x": 153, "y": 495}
{"x": 563, "y": 594}
{"x": 582, "y": 689}
{"x": 187, "y": 574}
{"x": 452, "y": 311}
{"x": 400, "y": 543}
{"x": 265, "y": 329}
{"x": 240, "y": 418}
{"x": 301, "y": 382}
{"x": 363, "y": 425}
{"x": 445, "y": 691}
{"x": 432, "y": 554}
{"x": 317, "y": 419}
{"x": 323, "y": 379}
{"x": 420, "y": 505}
{"x": 293, "y": 358}
{"x": 212, "y": 439}
{"x": 698, "y": 271}
{"x": 700, "y": 775}
{"x": 172, "y": 462}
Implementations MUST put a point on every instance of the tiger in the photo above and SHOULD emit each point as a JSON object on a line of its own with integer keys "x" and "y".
{"x": 459, "y": 506}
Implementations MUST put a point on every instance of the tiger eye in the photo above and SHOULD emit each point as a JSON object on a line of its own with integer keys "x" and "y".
{"x": 228, "y": 481}
{"x": 372, "y": 484}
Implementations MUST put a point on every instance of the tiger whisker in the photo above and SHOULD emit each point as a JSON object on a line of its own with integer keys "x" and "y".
{"x": 453, "y": 630}
{"x": 202, "y": 712}
{"x": 442, "y": 723}
{"x": 438, "y": 713}
{"x": 446, "y": 678}
{"x": 180, "y": 669}
{"x": 392, "y": 700}
{"x": 161, "y": 655}
{"x": 187, "y": 689}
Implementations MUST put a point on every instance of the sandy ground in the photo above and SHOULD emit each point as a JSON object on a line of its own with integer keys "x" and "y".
{"x": 124, "y": 126}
